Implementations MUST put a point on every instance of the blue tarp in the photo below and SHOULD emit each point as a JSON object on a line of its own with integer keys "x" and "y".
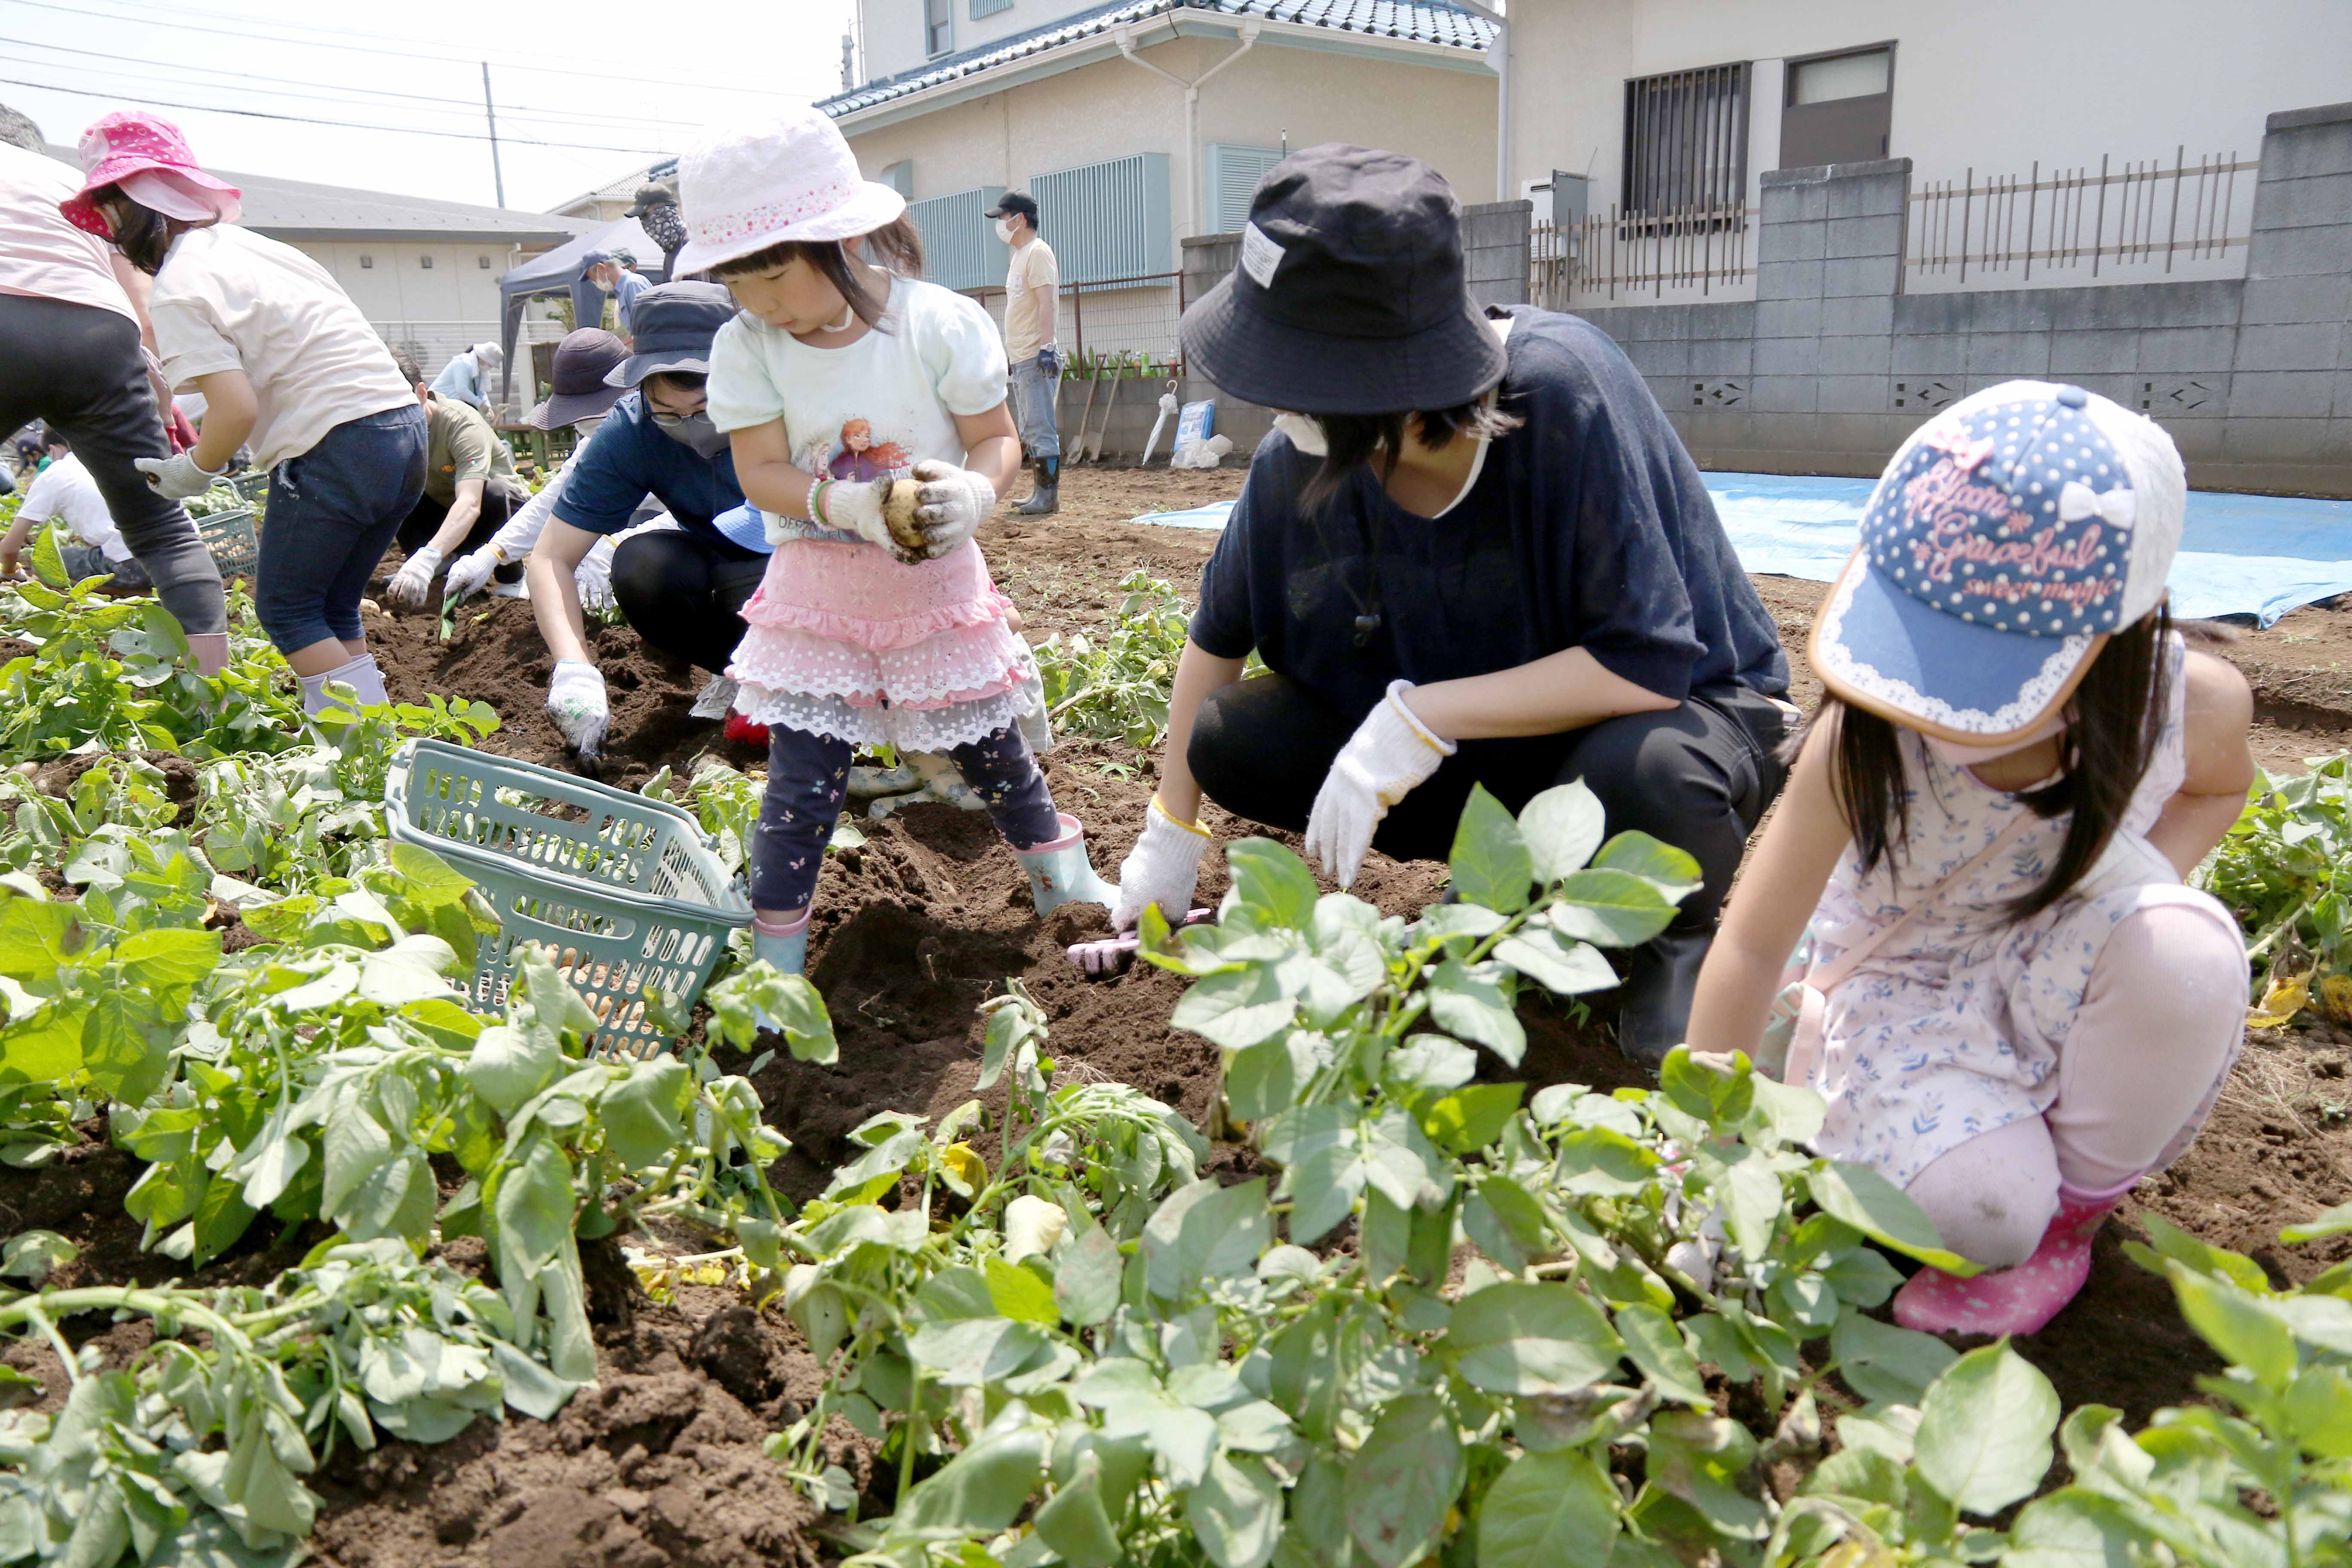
{"x": 2239, "y": 555}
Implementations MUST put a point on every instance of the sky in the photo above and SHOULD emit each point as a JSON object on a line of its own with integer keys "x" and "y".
{"x": 603, "y": 87}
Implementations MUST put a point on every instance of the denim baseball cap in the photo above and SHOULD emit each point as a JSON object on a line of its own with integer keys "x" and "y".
{"x": 2011, "y": 536}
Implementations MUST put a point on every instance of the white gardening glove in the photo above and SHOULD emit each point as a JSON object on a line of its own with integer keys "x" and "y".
{"x": 180, "y": 475}
{"x": 1162, "y": 868}
{"x": 575, "y": 701}
{"x": 1390, "y": 754}
{"x": 410, "y": 584}
{"x": 951, "y": 504}
{"x": 855, "y": 506}
{"x": 593, "y": 578}
{"x": 470, "y": 573}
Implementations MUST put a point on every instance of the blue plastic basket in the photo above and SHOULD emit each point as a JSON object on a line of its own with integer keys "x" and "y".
{"x": 623, "y": 893}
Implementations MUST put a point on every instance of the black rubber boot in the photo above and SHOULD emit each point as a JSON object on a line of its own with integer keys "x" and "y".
{"x": 1654, "y": 1003}
{"x": 1043, "y": 499}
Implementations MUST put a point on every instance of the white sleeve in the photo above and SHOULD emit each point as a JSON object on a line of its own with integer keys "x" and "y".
{"x": 741, "y": 392}
{"x": 523, "y": 530}
{"x": 964, "y": 355}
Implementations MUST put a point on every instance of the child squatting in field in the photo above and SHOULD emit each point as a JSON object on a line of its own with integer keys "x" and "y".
{"x": 842, "y": 373}
{"x": 2014, "y": 1007}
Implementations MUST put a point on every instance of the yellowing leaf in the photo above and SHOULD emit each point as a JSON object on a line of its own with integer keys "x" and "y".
{"x": 2287, "y": 995}
{"x": 2336, "y": 998}
{"x": 965, "y": 1171}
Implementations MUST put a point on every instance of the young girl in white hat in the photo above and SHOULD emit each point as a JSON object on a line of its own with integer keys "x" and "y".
{"x": 844, "y": 372}
{"x": 2014, "y": 1007}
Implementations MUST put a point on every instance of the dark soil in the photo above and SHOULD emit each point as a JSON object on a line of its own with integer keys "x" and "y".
{"x": 661, "y": 1463}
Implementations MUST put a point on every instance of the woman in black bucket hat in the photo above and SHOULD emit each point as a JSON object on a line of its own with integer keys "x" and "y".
{"x": 1474, "y": 551}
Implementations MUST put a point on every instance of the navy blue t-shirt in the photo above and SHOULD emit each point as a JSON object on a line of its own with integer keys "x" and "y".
{"x": 1587, "y": 527}
{"x": 628, "y": 458}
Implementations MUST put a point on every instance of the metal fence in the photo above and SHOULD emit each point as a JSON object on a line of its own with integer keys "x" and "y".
{"x": 432, "y": 343}
{"x": 1688, "y": 252}
{"x": 2145, "y": 219}
{"x": 1132, "y": 321}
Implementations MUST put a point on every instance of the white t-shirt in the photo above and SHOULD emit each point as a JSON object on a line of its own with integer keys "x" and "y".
{"x": 874, "y": 408}
{"x": 40, "y": 253}
{"x": 64, "y": 490}
{"x": 229, "y": 300}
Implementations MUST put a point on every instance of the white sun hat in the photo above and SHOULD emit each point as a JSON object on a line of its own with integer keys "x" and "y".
{"x": 792, "y": 177}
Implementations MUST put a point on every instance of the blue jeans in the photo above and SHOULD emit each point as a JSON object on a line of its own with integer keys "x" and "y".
{"x": 1032, "y": 409}
{"x": 332, "y": 512}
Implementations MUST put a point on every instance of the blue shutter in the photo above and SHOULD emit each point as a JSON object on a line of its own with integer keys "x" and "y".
{"x": 989, "y": 8}
{"x": 960, "y": 249}
{"x": 1233, "y": 172}
{"x": 1106, "y": 220}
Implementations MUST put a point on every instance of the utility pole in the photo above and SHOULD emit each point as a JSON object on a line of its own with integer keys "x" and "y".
{"x": 498, "y": 173}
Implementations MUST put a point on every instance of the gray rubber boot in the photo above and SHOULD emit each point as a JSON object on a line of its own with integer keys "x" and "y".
{"x": 1045, "y": 498}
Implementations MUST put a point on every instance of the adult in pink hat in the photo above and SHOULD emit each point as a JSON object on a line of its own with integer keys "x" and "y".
{"x": 287, "y": 363}
{"x": 73, "y": 327}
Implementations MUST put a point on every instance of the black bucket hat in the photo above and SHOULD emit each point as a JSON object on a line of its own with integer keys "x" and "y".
{"x": 673, "y": 325}
{"x": 1351, "y": 296}
{"x": 650, "y": 196}
{"x": 582, "y": 360}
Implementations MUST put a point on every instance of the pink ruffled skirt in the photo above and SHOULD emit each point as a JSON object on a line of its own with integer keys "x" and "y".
{"x": 848, "y": 641}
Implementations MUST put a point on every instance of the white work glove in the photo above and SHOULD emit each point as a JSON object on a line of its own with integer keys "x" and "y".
{"x": 180, "y": 475}
{"x": 1390, "y": 754}
{"x": 855, "y": 506}
{"x": 951, "y": 504}
{"x": 1162, "y": 868}
{"x": 470, "y": 573}
{"x": 575, "y": 701}
{"x": 593, "y": 578}
{"x": 410, "y": 584}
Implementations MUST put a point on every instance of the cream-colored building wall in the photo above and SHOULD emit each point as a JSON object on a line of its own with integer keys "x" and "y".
{"x": 893, "y": 29}
{"x": 1993, "y": 84}
{"x": 1113, "y": 109}
{"x": 400, "y": 288}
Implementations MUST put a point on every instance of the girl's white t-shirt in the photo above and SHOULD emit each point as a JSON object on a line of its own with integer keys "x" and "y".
{"x": 227, "y": 299}
{"x": 874, "y": 408}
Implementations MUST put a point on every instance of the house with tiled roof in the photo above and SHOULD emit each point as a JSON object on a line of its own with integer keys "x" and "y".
{"x": 1141, "y": 122}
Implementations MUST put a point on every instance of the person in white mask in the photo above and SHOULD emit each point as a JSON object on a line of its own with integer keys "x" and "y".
{"x": 1032, "y": 285}
{"x": 1474, "y": 555}
{"x": 467, "y": 375}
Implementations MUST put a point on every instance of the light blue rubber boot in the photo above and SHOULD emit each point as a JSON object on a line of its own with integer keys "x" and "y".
{"x": 1059, "y": 872}
{"x": 784, "y": 946}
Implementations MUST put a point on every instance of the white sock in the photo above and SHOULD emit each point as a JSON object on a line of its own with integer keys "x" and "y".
{"x": 360, "y": 674}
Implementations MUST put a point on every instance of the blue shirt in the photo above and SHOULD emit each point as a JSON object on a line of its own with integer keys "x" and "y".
{"x": 1588, "y": 526}
{"x": 628, "y": 458}
{"x": 461, "y": 380}
{"x": 624, "y": 295}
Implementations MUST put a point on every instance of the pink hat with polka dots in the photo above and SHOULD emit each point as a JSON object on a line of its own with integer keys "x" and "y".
{"x": 146, "y": 155}
{"x": 792, "y": 178}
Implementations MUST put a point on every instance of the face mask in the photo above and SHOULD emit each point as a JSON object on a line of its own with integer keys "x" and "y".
{"x": 696, "y": 433}
{"x": 1953, "y": 754}
{"x": 1005, "y": 231}
{"x": 1306, "y": 433}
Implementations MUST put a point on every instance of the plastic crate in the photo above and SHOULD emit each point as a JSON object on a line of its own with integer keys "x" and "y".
{"x": 621, "y": 892}
{"x": 230, "y": 536}
{"x": 251, "y": 486}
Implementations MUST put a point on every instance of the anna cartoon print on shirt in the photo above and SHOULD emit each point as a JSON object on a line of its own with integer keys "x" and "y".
{"x": 857, "y": 454}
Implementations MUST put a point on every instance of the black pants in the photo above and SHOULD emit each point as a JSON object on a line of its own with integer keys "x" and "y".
{"x": 684, "y": 593}
{"x": 79, "y": 368}
{"x": 1697, "y": 776}
{"x": 426, "y": 520}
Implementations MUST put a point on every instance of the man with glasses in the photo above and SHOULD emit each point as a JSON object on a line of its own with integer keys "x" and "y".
{"x": 681, "y": 588}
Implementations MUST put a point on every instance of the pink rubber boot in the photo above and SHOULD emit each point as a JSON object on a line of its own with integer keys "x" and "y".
{"x": 2017, "y": 1300}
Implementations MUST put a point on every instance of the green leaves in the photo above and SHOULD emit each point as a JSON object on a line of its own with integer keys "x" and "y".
{"x": 1205, "y": 1231}
{"x": 1402, "y": 1480}
{"x": 1236, "y": 1513}
{"x": 1491, "y": 864}
{"x": 1547, "y": 1511}
{"x": 1872, "y": 1205}
{"x": 1523, "y": 1339}
{"x": 1561, "y": 827}
{"x": 1985, "y": 1429}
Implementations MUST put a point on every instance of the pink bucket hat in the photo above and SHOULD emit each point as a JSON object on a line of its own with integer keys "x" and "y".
{"x": 148, "y": 157}
{"x": 793, "y": 178}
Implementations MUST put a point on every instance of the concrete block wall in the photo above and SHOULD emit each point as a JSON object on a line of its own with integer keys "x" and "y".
{"x": 1832, "y": 365}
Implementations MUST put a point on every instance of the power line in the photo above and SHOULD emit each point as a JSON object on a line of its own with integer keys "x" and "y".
{"x": 247, "y": 36}
{"x": 467, "y": 107}
{"x": 345, "y": 124}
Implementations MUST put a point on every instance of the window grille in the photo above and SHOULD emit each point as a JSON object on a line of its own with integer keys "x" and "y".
{"x": 989, "y": 8}
{"x": 960, "y": 249}
{"x": 1106, "y": 220}
{"x": 1233, "y": 172}
{"x": 1686, "y": 142}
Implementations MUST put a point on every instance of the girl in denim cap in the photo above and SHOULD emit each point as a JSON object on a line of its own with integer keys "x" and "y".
{"x": 860, "y": 635}
{"x": 285, "y": 362}
{"x": 2012, "y": 1006}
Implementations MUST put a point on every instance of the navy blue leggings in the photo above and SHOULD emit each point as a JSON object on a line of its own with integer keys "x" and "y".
{"x": 808, "y": 774}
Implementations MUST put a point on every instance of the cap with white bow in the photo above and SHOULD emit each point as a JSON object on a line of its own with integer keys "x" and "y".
{"x": 2010, "y": 535}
